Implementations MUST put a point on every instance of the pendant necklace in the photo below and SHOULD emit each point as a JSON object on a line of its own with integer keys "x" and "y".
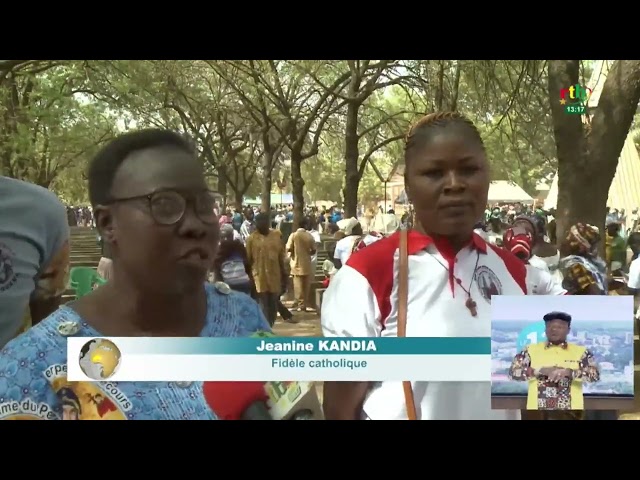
{"x": 471, "y": 305}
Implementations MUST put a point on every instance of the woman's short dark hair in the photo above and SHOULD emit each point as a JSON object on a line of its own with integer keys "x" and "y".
{"x": 423, "y": 131}
{"x": 105, "y": 164}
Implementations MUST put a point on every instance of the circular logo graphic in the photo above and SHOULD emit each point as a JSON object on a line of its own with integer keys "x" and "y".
{"x": 7, "y": 274}
{"x": 488, "y": 283}
{"x": 99, "y": 359}
{"x": 534, "y": 333}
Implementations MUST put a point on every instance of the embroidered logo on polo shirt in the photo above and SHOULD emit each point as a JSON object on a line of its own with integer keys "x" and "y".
{"x": 7, "y": 274}
{"x": 488, "y": 283}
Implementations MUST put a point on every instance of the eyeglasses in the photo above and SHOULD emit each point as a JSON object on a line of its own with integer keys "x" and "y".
{"x": 167, "y": 207}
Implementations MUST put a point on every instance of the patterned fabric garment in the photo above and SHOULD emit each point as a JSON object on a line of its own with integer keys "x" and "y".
{"x": 582, "y": 239}
{"x": 234, "y": 273}
{"x": 580, "y": 272}
{"x": 567, "y": 393}
{"x": 33, "y": 383}
{"x": 266, "y": 254}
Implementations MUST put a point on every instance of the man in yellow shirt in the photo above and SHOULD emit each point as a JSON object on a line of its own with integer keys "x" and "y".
{"x": 265, "y": 253}
{"x": 555, "y": 369}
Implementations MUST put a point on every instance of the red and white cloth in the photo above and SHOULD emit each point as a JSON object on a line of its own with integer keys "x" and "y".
{"x": 361, "y": 301}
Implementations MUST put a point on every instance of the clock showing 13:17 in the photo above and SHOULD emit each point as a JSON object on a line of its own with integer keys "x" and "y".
{"x": 574, "y": 109}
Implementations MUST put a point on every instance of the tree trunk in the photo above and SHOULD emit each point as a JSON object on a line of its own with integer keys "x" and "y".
{"x": 297, "y": 186}
{"x": 351, "y": 156}
{"x": 588, "y": 155}
{"x": 456, "y": 88}
{"x": 239, "y": 197}
{"x": 266, "y": 180}
{"x": 440, "y": 86}
{"x": 223, "y": 184}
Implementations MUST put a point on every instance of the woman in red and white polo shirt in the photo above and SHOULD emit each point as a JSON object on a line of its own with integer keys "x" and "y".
{"x": 452, "y": 275}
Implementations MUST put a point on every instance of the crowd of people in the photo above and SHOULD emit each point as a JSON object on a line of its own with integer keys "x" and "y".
{"x": 80, "y": 216}
{"x": 180, "y": 267}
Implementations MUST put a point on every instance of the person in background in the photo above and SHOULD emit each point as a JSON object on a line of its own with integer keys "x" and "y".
{"x": 289, "y": 214}
{"x": 71, "y": 217}
{"x": 452, "y": 277}
{"x": 332, "y": 229}
{"x": 231, "y": 265}
{"x": 225, "y": 217}
{"x": 236, "y": 220}
{"x": 34, "y": 255}
{"x": 543, "y": 249}
{"x": 336, "y": 215}
{"x": 226, "y": 220}
{"x": 266, "y": 255}
{"x": 622, "y": 220}
{"x": 496, "y": 227}
{"x": 344, "y": 246}
{"x": 322, "y": 220}
{"x": 314, "y": 232}
{"x": 633, "y": 243}
{"x": 278, "y": 219}
{"x": 616, "y": 249}
{"x": 105, "y": 265}
{"x": 301, "y": 246}
{"x": 634, "y": 219}
{"x": 584, "y": 272}
{"x": 248, "y": 226}
{"x": 612, "y": 215}
{"x": 153, "y": 207}
{"x": 519, "y": 241}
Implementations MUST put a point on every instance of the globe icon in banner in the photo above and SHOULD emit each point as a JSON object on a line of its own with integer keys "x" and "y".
{"x": 99, "y": 359}
{"x": 533, "y": 333}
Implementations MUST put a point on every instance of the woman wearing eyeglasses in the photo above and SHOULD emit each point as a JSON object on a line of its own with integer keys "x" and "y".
{"x": 152, "y": 207}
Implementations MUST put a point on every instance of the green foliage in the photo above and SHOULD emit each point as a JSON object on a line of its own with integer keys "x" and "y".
{"x": 49, "y": 127}
{"x": 54, "y": 115}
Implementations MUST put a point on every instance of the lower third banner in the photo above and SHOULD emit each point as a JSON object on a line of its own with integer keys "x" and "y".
{"x": 279, "y": 359}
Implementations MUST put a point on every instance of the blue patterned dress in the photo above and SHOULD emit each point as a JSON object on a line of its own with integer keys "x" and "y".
{"x": 33, "y": 383}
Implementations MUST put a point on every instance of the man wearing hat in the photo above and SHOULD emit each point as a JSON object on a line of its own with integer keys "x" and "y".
{"x": 555, "y": 368}
{"x": 344, "y": 247}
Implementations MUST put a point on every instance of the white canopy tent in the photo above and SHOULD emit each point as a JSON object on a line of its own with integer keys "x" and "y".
{"x": 503, "y": 191}
{"x": 552, "y": 198}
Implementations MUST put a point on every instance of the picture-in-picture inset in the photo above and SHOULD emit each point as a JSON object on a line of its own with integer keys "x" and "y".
{"x": 562, "y": 353}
